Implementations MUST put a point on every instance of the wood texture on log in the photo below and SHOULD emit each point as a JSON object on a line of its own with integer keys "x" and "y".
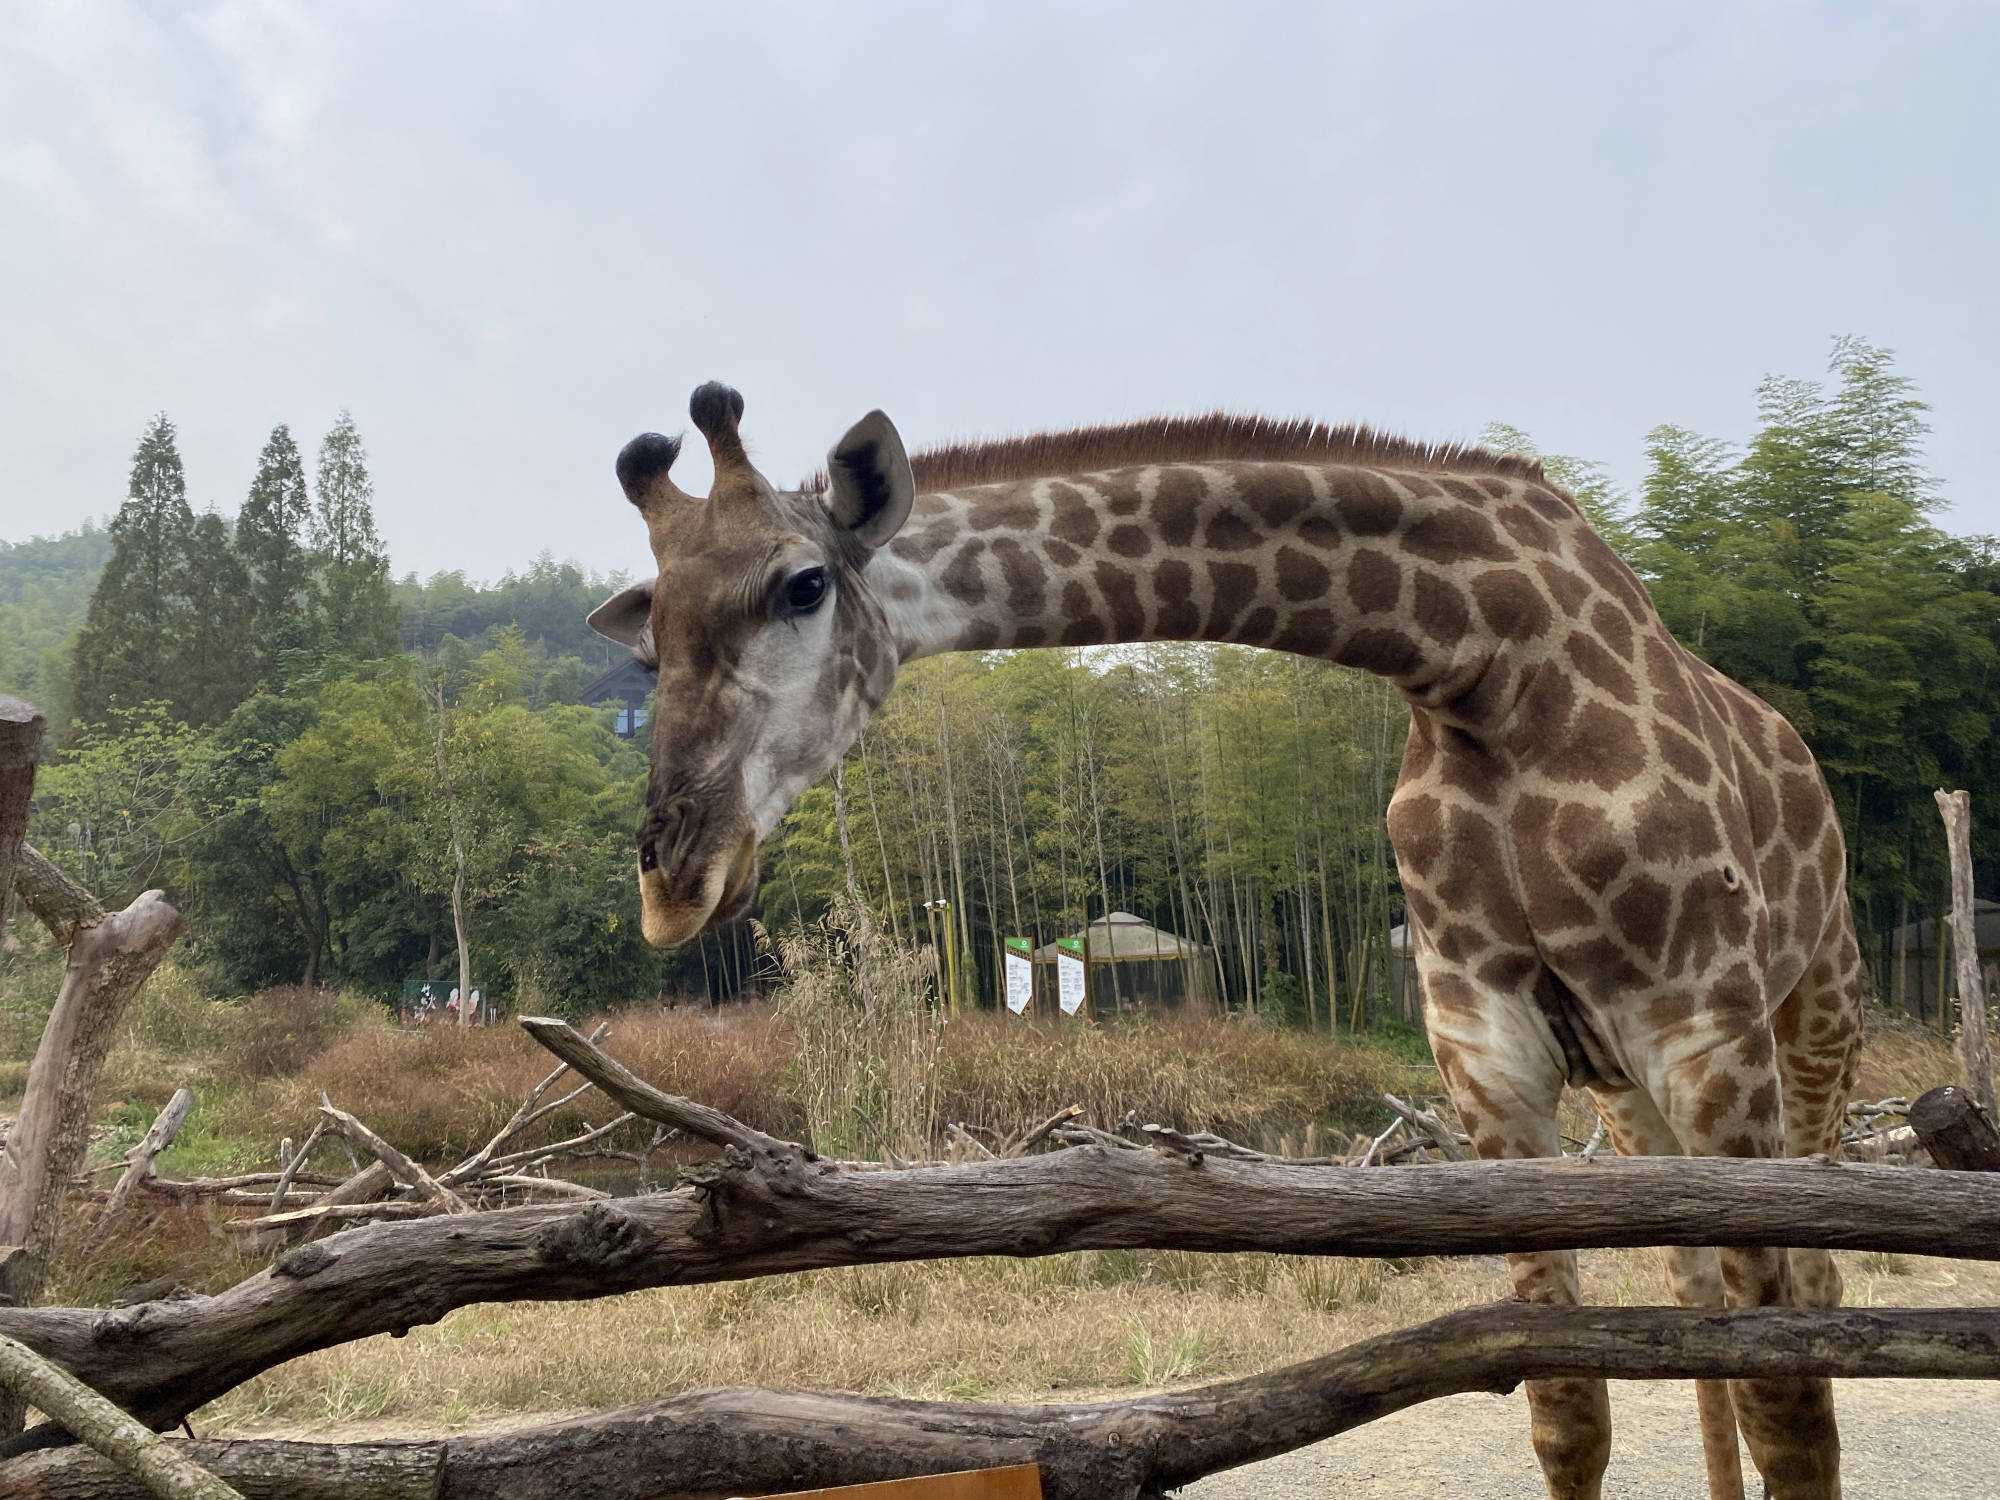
{"x": 1974, "y": 1049}
{"x": 733, "y": 1442}
{"x": 407, "y": 1172}
{"x": 159, "y": 1467}
{"x": 139, "y": 1160}
{"x": 21, "y": 726}
{"x": 161, "y": 1360}
{"x": 266, "y": 1470}
{"x": 109, "y": 958}
{"x": 1958, "y": 1134}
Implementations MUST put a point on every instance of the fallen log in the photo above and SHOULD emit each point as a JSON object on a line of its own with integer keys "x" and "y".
{"x": 732, "y": 1442}
{"x": 155, "y": 1467}
{"x": 776, "y": 1210}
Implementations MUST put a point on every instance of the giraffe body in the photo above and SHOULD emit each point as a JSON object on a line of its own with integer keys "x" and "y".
{"x": 1623, "y": 870}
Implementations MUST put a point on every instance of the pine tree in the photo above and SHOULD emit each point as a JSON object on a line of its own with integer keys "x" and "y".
{"x": 361, "y": 619}
{"x": 214, "y": 664}
{"x": 124, "y": 651}
{"x": 271, "y": 535}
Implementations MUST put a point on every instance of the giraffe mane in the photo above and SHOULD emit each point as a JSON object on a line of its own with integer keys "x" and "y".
{"x": 1213, "y": 437}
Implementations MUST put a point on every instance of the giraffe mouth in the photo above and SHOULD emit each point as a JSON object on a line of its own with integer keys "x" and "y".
{"x": 669, "y": 917}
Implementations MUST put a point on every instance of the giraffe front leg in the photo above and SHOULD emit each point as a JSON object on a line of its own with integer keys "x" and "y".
{"x": 1694, "y": 1276}
{"x": 1505, "y": 1090}
{"x": 1723, "y": 1101}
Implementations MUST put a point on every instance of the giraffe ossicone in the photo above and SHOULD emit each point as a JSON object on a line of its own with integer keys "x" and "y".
{"x": 1623, "y": 870}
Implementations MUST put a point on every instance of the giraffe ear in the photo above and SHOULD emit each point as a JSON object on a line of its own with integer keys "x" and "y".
{"x": 626, "y": 618}
{"x": 870, "y": 483}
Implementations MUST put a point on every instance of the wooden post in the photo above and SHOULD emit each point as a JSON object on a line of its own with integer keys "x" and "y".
{"x": 21, "y": 728}
{"x": 1957, "y": 1132}
{"x": 1956, "y": 808}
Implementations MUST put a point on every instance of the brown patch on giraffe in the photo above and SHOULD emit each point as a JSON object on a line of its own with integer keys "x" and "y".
{"x": 1762, "y": 1106}
{"x": 1802, "y": 804}
{"x": 1026, "y": 592}
{"x": 1229, "y": 532}
{"x": 1642, "y": 910}
{"x": 1257, "y": 626}
{"x": 1529, "y": 529}
{"x": 1511, "y": 604}
{"x": 1547, "y": 700}
{"x": 980, "y": 635}
{"x": 1760, "y": 803}
{"x": 1832, "y": 861}
{"x": 1309, "y": 632}
{"x": 1461, "y": 489}
{"x": 1387, "y": 652}
{"x": 1549, "y": 504}
{"x": 1088, "y": 632}
{"x": 963, "y": 577}
{"x": 1670, "y": 827}
{"x": 1681, "y": 753}
{"x": 1302, "y": 576}
{"x": 1277, "y": 494}
{"x": 1597, "y": 966}
{"x": 1710, "y": 919}
{"x": 1508, "y": 972}
{"x": 1120, "y": 492}
{"x": 1059, "y": 552}
{"x": 1569, "y": 589}
{"x": 1440, "y": 610}
{"x": 1791, "y": 747}
{"x": 921, "y": 544}
{"x": 1450, "y": 995}
{"x": 1455, "y": 534}
{"x": 1422, "y": 908}
{"x": 1231, "y": 587}
{"x": 1468, "y": 767}
{"x": 1586, "y": 844}
{"x": 1120, "y": 590}
{"x": 1460, "y": 942}
{"x": 1753, "y": 721}
{"x": 1075, "y": 519}
{"x": 1366, "y": 503}
{"x": 1003, "y": 510}
{"x": 1619, "y": 581}
{"x": 1719, "y": 1096}
{"x": 1671, "y": 1015}
{"x": 1602, "y": 747}
{"x": 1318, "y": 531}
{"x": 1599, "y": 667}
{"x": 1076, "y": 601}
{"x": 1552, "y": 904}
{"x": 1671, "y": 695}
{"x": 1374, "y": 581}
{"x": 1173, "y": 592}
{"x": 1613, "y": 627}
{"x": 1129, "y": 540}
{"x": 1466, "y": 882}
{"x": 1177, "y": 501}
{"x": 1026, "y": 636}
{"x": 1419, "y": 750}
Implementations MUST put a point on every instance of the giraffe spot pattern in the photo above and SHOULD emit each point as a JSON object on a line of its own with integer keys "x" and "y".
{"x": 1374, "y": 581}
{"x": 1601, "y": 747}
{"x": 1600, "y": 668}
{"x": 1302, "y": 576}
{"x": 1440, "y": 610}
{"x": 1459, "y": 534}
{"x": 1177, "y": 504}
{"x": 1309, "y": 632}
{"x": 1173, "y": 592}
{"x": 1129, "y": 540}
{"x": 1119, "y": 588}
{"x": 1568, "y": 587}
{"x": 1511, "y": 605}
{"x": 1231, "y": 587}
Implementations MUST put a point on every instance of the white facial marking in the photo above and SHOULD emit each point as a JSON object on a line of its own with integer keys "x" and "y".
{"x": 923, "y": 618}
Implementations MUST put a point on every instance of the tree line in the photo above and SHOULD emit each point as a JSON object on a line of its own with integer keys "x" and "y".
{"x": 360, "y": 779}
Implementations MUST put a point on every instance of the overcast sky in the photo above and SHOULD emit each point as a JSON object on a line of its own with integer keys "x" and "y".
{"x": 511, "y": 236}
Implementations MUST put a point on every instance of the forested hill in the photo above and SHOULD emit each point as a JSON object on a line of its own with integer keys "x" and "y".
{"x": 547, "y": 604}
{"x": 45, "y": 585}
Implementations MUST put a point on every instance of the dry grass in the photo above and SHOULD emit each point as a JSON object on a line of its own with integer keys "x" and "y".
{"x": 965, "y": 1330}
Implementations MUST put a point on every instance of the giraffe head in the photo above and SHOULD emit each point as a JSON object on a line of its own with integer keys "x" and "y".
{"x": 770, "y": 650}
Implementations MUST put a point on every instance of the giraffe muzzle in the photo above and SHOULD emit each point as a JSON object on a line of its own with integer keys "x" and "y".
{"x": 679, "y": 906}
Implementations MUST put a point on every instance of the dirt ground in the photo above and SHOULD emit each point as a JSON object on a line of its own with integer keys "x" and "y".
{"x": 1900, "y": 1440}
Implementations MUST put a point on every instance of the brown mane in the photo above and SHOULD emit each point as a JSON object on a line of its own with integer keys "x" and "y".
{"x": 1217, "y": 437}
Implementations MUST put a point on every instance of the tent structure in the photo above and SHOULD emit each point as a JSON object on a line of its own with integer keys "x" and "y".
{"x": 1920, "y": 972}
{"x": 1153, "y": 965}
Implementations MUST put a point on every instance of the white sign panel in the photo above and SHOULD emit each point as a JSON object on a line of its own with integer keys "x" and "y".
{"x": 1069, "y": 983}
{"x": 1020, "y": 983}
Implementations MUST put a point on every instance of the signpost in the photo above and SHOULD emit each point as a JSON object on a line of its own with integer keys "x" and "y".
{"x": 1020, "y": 975}
{"x": 1072, "y": 986}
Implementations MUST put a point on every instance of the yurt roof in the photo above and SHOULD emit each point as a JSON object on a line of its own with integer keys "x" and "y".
{"x": 1126, "y": 939}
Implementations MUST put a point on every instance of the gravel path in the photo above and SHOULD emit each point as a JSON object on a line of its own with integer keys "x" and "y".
{"x": 1900, "y": 1440}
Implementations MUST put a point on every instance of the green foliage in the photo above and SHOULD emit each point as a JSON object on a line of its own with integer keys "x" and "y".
{"x": 283, "y": 588}
{"x": 45, "y": 586}
{"x": 547, "y": 604}
{"x": 359, "y": 616}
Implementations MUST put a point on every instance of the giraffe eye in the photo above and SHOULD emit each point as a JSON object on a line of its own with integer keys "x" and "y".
{"x": 804, "y": 590}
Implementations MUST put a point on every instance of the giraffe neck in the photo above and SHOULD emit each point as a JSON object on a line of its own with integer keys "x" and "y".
{"x": 1452, "y": 586}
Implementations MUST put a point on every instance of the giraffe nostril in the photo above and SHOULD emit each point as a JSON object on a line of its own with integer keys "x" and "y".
{"x": 649, "y": 858}
{"x": 1731, "y": 881}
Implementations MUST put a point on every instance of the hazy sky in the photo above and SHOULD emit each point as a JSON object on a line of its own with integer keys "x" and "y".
{"x": 511, "y": 236}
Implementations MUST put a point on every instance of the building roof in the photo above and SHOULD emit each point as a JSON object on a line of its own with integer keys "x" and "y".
{"x": 628, "y": 682}
{"x": 1921, "y": 937}
{"x": 1126, "y": 939}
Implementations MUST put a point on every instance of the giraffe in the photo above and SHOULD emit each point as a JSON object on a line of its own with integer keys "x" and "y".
{"x": 1623, "y": 871}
